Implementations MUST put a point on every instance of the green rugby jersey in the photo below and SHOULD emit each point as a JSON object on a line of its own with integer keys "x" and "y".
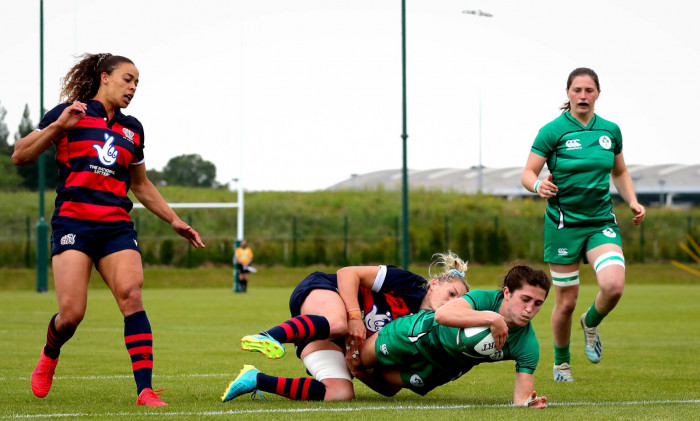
{"x": 580, "y": 160}
{"x": 441, "y": 347}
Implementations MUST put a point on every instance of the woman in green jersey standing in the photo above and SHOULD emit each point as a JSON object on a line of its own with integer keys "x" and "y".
{"x": 582, "y": 152}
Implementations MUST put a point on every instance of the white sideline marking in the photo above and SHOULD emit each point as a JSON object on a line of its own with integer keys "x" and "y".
{"x": 355, "y": 409}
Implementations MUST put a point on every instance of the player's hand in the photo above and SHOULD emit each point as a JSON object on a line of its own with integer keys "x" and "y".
{"x": 499, "y": 331}
{"x": 71, "y": 115}
{"x": 534, "y": 401}
{"x": 639, "y": 212}
{"x": 353, "y": 361}
{"x": 547, "y": 189}
{"x": 355, "y": 337}
{"x": 188, "y": 233}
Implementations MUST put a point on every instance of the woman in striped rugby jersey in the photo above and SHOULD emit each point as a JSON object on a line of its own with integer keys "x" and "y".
{"x": 99, "y": 151}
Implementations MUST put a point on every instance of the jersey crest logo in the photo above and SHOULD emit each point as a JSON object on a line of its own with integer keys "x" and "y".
{"x": 68, "y": 239}
{"x": 605, "y": 142}
{"x": 107, "y": 153}
{"x": 608, "y": 232}
{"x": 128, "y": 134}
{"x": 417, "y": 381}
{"x": 573, "y": 144}
{"x": 375, "y": 321}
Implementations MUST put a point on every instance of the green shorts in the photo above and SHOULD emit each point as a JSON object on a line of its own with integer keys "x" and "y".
{"x": 568, "y": 245}
{"x": 396, "y": 351}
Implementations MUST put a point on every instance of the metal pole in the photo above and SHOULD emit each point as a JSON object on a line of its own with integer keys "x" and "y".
{"x": 404, "y": 136}
{"x": 239, "y": 234}
{"x": 240, "y": 227}
{"x": 236, "y": 283}
{"x": 346, "y": 235}
{"x": 480, "y": 170}
{"x": 42, "y": 254}
{"x": 480, "y": 179}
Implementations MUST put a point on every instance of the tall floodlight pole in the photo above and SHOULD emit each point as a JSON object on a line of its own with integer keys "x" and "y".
{"x": 480, "y": 169}
{"x": 42, "y": 254}
{"x": 404, "y": 136}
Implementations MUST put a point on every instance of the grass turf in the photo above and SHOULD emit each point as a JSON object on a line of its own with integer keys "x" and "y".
{"x": 649, "y": 368}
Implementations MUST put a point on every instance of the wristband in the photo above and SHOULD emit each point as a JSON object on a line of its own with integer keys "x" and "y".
{"x": 529, "y": 400}
{"x": 354, "y": 315}
{"x": 537, "y": 184}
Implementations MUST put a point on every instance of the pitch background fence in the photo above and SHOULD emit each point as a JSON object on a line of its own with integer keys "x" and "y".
{"x": 484, "y": 237}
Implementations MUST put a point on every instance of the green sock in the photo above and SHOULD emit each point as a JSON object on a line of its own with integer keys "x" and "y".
{"x": 562, "y": 354}
{"x": 593, "y": 318}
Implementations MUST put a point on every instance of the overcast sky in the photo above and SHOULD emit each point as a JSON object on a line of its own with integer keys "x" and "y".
{"x": 300, "y": 94}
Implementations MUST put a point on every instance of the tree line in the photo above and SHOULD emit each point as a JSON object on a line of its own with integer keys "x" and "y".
{"x": 189, "y": 170}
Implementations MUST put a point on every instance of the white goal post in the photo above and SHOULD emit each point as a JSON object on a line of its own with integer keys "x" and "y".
{"x": 213, "y": 205}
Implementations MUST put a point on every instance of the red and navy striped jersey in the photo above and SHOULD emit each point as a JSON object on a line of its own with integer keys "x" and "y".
{"x": 94, "y": 159}
{"x": 395, "y": 293}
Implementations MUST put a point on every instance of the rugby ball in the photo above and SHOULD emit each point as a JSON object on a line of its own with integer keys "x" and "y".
{"x": 476, "y": 341}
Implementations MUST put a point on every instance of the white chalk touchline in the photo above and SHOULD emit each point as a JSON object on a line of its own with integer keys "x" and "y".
{"x": 128, "y": 376}
{"x": 321, "y": 409}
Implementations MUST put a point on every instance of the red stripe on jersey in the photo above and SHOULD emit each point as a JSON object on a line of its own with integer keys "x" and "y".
{"x": 89, "y": 212}
{"x": 90, "y": 121}
{"x": 142, "y": 364}
{"x": 308, "y": 321}
{"x": 141, "y": 350}
{"x": 96, "y": 182}
{"x": 398, "y": 306}
{"x": 138, "y": 337}
{"x": 300, "y": 328}
{"x": 62, "y": 154}
{"x": 293, "y": 389}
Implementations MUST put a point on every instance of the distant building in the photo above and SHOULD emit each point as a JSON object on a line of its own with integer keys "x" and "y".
{"x": 669, "y": 184}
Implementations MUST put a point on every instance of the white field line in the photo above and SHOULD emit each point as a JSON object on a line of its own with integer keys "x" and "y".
{"x": 321, "y": 409}
{"x": 127, "y": 376}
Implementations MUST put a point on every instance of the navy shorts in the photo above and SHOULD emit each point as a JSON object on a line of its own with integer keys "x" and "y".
{"x": 317, "y": 280}
{"x": 96, "y": 239}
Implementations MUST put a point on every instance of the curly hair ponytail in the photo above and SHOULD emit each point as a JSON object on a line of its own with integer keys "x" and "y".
{"x": 83, "y": 80}
{"x": 453, "y": 268}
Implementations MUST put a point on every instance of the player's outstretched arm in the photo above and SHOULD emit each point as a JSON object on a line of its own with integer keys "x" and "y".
{"x": 525, "y": 395}
{"x": 149, "y": 197}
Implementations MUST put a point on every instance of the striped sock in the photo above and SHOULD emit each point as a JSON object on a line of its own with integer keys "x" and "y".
{"x": 298, "y": 389}
{"x": 139, "y": 343}
{"x": 56, "y": 339}
{"x": 299, "y": 329}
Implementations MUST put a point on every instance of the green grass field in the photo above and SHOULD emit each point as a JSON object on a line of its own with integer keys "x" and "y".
{"x": 650, "y": 368}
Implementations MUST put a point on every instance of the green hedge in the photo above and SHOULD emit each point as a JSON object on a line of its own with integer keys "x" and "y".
{"x": 342, "y": 228}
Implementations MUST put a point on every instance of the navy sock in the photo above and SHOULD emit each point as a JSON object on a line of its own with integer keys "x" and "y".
{"x": 139, "y": 343}
{"x": 56, "y": 339}
{"x": 298, "y": 389}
